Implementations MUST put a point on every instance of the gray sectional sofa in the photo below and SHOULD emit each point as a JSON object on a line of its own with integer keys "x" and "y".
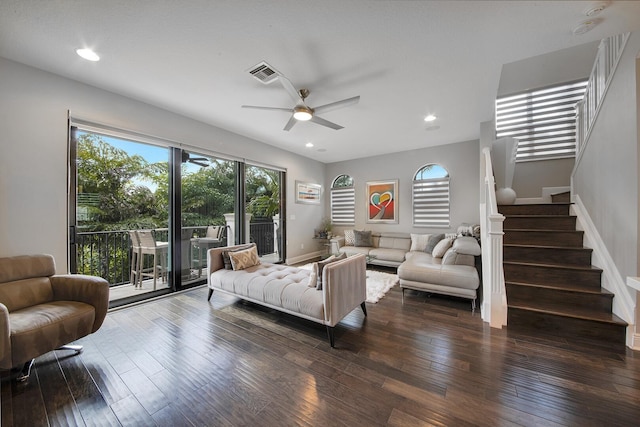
{"x": 449, "y": 270}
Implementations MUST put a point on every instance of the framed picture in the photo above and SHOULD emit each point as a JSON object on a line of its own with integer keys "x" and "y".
{"x": 308, "y": 193}
{"x": 382, "y": 202}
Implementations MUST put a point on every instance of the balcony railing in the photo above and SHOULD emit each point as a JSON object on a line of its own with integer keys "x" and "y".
{"x": 107, "y": 254}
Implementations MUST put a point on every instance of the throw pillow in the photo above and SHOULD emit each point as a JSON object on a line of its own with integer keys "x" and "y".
{"x": 313, "y": 276}
{"x": 363, "y": 238}
{"x": 225, "y": 255}
{"x": 450, "y": 257}
{"x": 442, "y": 247}
{"x": 419, "y": 241}
{"x": 349, "y": 238}
{"x": 320, "y": 265}
{"x": 433, "y": 241}
{"x": 244, "y": 259}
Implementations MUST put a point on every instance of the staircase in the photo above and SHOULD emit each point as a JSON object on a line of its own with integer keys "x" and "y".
{"x": 552, "y": 288}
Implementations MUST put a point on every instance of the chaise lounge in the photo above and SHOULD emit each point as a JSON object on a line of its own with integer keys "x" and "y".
{"x": 339, "y": 288}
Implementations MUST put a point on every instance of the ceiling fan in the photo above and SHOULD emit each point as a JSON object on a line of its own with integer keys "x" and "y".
{"x": 301, "y": 111}
{"x": 186, "y": 157}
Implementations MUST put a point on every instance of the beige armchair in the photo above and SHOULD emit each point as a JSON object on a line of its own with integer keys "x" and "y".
{"x": 41, "y": 311}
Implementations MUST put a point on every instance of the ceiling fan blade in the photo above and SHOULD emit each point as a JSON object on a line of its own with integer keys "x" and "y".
{"x": 288, "y": 86}
{"x": 338, "y": 104}
{"x": 327, "y": 123}
{"x": 292, "y": 121}
{"x": 257, "y": 107}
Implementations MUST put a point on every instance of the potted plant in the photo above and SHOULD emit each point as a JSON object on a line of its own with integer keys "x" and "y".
{"x": 325, "y": 228}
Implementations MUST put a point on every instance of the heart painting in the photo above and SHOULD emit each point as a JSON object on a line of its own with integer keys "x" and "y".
{"x": 382, "y": 197}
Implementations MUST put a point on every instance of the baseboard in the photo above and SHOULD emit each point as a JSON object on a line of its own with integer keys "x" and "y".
{"x": 623, "y": 303}
{"x": 305, "y": 257}
{"x": 636, "y": 342}
{"x": 547, "y": 192}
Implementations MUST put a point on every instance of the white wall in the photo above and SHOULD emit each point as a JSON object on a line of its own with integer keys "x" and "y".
{"x": 462, "y": 160}
{"x": 606, "y": 175}
{"x": 539, "y": 71}
{"x": 33, "y": 156}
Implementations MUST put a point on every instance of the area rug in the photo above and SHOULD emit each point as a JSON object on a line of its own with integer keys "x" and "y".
{"x": 378, "y": 283}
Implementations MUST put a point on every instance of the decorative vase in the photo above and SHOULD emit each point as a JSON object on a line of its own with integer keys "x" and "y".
{"x": 505, "y": 196}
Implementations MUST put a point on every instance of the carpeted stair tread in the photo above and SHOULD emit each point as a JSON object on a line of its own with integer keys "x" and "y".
{"x": 563, "y": 310}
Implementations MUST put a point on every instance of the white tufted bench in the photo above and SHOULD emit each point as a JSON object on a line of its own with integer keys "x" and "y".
{"x": 287, "y": 289}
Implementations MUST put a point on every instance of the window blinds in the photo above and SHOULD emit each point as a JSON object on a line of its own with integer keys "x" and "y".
{"x": 431, "y": 202}
{"x": 343, "y": 206}
{"x": 543, "y": 121}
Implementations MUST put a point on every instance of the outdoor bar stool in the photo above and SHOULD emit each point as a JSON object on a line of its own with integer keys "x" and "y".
{"x": 149, "y": 246}
{"x": 135, "y": 259}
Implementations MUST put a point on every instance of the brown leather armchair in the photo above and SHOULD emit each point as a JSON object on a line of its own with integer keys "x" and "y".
{"x": 41, "y": 311}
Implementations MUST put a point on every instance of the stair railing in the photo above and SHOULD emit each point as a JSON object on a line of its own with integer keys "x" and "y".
{"x": 609, "y": 53}
{"x": 494, "y": 304}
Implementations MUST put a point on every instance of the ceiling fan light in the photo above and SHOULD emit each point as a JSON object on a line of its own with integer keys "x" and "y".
{"x": 88, "y": 54}
{"x": 302, "y": 113}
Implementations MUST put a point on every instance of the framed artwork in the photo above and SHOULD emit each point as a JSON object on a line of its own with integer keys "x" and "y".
{"x": 382, "y": 202}
{"x": 308, "y": 193}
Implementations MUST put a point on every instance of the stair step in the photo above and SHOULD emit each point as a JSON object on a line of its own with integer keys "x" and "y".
{"x": 575, "y": 297}
{"x": 535, "y": 273}
{"x": 575, "y": 324}
{"x": 540, "y": 222}
{"x": 564, "y": 197}
{"x": 572, "y": 238}
{"x": 535, "y": 209}
{"x": 548, "y": 254}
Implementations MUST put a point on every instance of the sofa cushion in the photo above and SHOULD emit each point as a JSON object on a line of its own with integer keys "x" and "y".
{"x": 395, "y": 255}
{"x": 37, "y": 329}
{"x": 362, "y": 238}
{"x": 244, "y": 258}
{"x": 441, "y": 248}
{"x": 420, "y": 268}
{"x": 467, "y": 245}
{"x": 433, "y": 241}
{"x": 419, "y": 241}
{"x": 276, "y": 284}
{"x": 352, "y": 250}
{"x": 393, "y": 241}
{"x": 349, "y": 238}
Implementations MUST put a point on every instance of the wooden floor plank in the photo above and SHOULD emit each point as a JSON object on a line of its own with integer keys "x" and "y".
{"x": 183, "y": 360}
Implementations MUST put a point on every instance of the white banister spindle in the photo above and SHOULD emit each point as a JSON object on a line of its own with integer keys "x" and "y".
{"x": 494, "y": 304}
{"x": 609, "y": 53}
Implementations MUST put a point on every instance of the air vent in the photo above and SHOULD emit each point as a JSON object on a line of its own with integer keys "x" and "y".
{"x": 264, "y": 72}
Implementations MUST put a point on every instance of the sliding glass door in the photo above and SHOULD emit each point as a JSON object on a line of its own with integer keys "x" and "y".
{"x": 263, "y": 197}
{"x": 121, "y": 196}
{"x": 208, "y": 189}
{"x": 143, "y": 216}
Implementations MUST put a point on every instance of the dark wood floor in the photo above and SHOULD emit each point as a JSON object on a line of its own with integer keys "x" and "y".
{"x": 181, "y": 361}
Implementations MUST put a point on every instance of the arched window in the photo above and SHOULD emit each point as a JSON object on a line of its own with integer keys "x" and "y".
{"x": 343, "y": 201}
{"x": 431, "y": 197}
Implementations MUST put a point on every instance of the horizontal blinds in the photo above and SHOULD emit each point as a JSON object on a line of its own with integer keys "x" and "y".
{"x": 431, "y": 202}
{"x": 343, "y": 206}
{"x": 543, "y": 121}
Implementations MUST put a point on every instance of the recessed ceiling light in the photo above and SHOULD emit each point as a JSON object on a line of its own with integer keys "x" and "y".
{"x": 430, "y": 118}
{"x": 596, "y": 9}
{"x": 585, "y": 26}
{"x": 88, "y": 54}
{"x": 309, "y": 144}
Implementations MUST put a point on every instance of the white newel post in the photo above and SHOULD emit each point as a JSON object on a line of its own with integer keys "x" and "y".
{"x": 230, "y": 220}
{"x": 498, "y": 312}
{"x": 276, "y": 228}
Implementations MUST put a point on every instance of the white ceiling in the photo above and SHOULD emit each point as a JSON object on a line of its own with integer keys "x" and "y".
{"x": 404, "y": 58}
